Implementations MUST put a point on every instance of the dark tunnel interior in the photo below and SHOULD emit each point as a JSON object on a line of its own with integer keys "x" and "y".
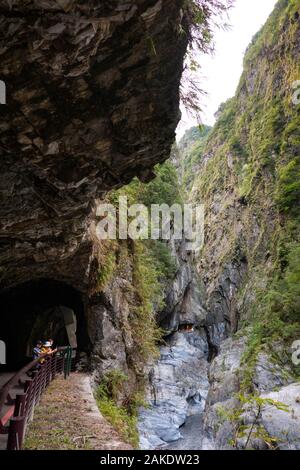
{"x": 31, "y": 312}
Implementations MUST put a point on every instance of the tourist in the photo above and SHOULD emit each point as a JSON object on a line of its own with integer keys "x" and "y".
{"x": 37, "y": 350}
{"x": 47, "y": 347}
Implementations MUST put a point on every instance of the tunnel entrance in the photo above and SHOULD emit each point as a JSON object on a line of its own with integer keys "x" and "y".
{"x": 40, "y": 310}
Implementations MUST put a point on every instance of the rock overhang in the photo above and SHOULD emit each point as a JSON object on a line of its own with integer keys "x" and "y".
{"x": 92, "y": 101}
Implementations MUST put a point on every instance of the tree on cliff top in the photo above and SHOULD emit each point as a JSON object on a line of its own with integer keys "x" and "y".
{"x": 203, "y": 17}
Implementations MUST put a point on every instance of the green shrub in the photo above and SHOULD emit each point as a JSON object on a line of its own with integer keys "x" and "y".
{"x": 107, "y": 269}
{"x": 164, "y": 189}
{"x": 124, "y": 424}
{"x": 163, "y": 260}
{"x": 112, "y": 384}
{"x": 151, "y": 261}
{"x": 149, "y": 296}
{"x": 284, "y": 298}
{"x": 122, "y": 418}
{"x": 288, "y": 192}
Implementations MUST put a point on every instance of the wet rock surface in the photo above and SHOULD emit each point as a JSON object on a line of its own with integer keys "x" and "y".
{"x": 193, "y": 436}
{"x": 178, "y": 386}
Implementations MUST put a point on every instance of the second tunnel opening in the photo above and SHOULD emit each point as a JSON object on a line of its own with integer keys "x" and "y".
{"x": 40, "y": 310}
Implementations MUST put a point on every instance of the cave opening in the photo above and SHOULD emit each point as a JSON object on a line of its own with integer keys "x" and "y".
{"x": 40, "y": 310}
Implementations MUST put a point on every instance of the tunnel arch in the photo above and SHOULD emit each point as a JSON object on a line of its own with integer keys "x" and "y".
{"x": 31, "y": 311}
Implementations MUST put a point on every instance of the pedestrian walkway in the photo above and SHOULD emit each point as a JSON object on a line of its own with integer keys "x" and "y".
{"x": 68, "y": 418}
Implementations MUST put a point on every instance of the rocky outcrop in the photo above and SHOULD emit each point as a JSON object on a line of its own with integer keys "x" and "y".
{"x": 177, "y": 383}
{"x": 228, "y": 421}
{"x": 284, "y": 425}
{"x": 111, "y": 335}
{"x": 188, "y": 394}
{"x": 92, "y": 100}
{"x": 183, "y": 297}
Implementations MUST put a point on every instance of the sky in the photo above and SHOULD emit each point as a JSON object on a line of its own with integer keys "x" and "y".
{"x": 219, "y": 74}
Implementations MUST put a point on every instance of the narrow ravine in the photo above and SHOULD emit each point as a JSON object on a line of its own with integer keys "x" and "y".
{"x": 177, "y": 392}
{"x": 178, "y": 382}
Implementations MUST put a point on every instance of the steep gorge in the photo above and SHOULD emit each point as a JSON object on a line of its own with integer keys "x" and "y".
{"x": 92, "y": 102}
{"x": 246, "y": 173}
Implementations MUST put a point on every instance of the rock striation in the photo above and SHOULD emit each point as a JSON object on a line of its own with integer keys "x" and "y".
{"x": 92, "y": 100}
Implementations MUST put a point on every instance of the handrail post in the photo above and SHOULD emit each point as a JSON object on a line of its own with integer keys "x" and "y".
{"x": 28, "y": 385}
{"x": 54, "y": 367}
{"x": 20, "y": 404}
{"x": 68, "y": 361}
{"x": 28, "y": 390}
{"x": 48, "y": 371}
{"x": 43, "y": 376}
{"x": 15, "y": 433}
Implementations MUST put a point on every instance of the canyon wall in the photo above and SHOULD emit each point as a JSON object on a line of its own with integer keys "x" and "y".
{"x": 246, "y": 172}
{"x": 248, "y": 177}
{"x": 92, "y": 100}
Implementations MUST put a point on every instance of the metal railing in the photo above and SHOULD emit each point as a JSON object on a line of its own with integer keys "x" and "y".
{"x": 21, "y": 409}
